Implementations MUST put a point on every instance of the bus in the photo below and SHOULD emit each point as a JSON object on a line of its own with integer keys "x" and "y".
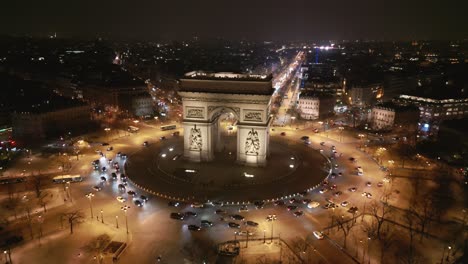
{"x": 67, "y": 178}
{"x": 133, "y": 129}
{"x": 360, "y": 172}
{"x": 168, "y": 127}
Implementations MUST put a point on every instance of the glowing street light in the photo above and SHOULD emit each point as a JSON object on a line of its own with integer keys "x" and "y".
{"x": 90, "y": 197}
{"x": 125, "y": 208}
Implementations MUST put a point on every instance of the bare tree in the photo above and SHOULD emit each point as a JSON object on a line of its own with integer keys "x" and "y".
{"x": 263, "y": 259}
{"x": 36, "y": 182}
{"x": 299, "y": 245}
{"x": 423, "y": 211}
{"x": 13, "y": 205}
{"x": 44, "y": 198}
{"x": 379, "y": 211}
{"x": 97, "y": 245}
{"x": 409, "y": 256}
{"x": 345, "y": 225}
{"x": 74, "y": 217}
{"x": 199, "y": 250}
{"x": 387, "y": 238}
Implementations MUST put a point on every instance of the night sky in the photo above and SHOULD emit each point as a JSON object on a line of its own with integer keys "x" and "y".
{"x": 252, "y": 19}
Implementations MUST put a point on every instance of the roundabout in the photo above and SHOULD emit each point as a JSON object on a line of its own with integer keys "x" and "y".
{"x": 161, "y": 169}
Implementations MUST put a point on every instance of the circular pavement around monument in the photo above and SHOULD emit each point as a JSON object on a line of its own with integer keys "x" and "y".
{"x": 161, "y": 169}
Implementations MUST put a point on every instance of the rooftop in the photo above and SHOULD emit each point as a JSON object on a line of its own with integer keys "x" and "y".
{"x": 227, "y": 83}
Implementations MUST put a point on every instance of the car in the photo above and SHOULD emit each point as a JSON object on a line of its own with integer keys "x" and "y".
{"x": 110, "y": 148}
{"x": 105, "y": 144}
{"x": 333, "y": 187}
{"x": 121, "y": 187}
{"x": 132, "y": 193}
{"x": 291, "y": 207}
{"x": 122, "y": 176}
{"x": 95, "y": 162}
{"x": 220, "y": 211}
{"x": 352, "y": 159}
{"x": 352, "y": 189}
{"x": 244, "y": 233}
{"x": 193, "y": 228}
{"x": 96, "y": 167}
{"x": 333, "y": 175}
{"x": 144, "y": 198}
{"x": 353, "y": 210}
{"x": 243, "y": 209}
{"x": 386, "y": 179}
{"x": 190, "y": 214}
{"x": 278, "y": 202}
{"x": 233, "y": 225}
{"x": 340, "y": 174}
{"x": 237, "y": 217}
{"x": 318, "y": 234}
{"x": 307, "y": 142}
{"x": 114, "y": 176}
{"x": 217, "y": 203}
{"x": 103, "y": 179}
{"x": 325, "y": 183}
{"x": 119, "y": 154}
{"x": 379, "y": 184}
{"x": 321, "y": 150}
{"x": 283, "y": 134}
{"x": 306, "y": 201}
{"x": 175, "y": 134}
{"x": 97, "y": 188}
{"x": 173, "y": 203}
{"x": 177, "y": 216}
{"x": 322, "y": 143}
{"x": 304, "y": 138}
{"x": 313, "y": 205}
{"x": 333, "y": 147}
{"x": 293, "y": 200}
{"x": 138, "y": 203}
{"x": 110, "y": 160}
{"x": 115, "y": 164}
{"x": 369, "y": 195}
{"x": 121, "y": 199}
{"x": 344, "y": 203}
{"x": 368, "y": 184}
{"x": 316, "y": 130}
{"x": 124, "y": 181}
{"x": 197, "y": 205}
{"x": 123, "y": 156}
{"x": 303, "y": 193}
{"x": 271, "y": 217}
{"x": 323, "y": 190}
{"x": 104, "y": 169}
{"x": 145, "y": 144}
{"x": 259, "y": 204}
{"x": 206, "y": 223}
{"x": 251, "y": 223}
{"x": 298, "y": 213}
{"x": 338, "y": 193}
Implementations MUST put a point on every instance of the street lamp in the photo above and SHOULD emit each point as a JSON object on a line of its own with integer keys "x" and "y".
{"x": 264, "y": 236}
{"x": 117, "y": 221}
{"x": 125, "y": 208}
{"x": 368, "y": 253}
{"x": 69, "y": 191}
{"x": 102, "y": 218}
{"x": 107, "y": 129}
{"x": 341, "y": 132}
{"x": 90, "y": 197}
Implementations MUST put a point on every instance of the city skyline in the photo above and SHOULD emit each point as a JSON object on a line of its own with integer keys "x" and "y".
{"x": 272, "y": 20}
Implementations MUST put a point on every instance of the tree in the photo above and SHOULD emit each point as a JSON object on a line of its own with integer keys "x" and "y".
{"x": 423, "y": 211}
{"x": 97, "y": 245}
{"x": 74, "y": 217}
{"x": 199, "y": 250}
{"x": 379, "y": 211}
{"x": 387, "y": 238}
{"x": 345, "y": 224}
{"x": 408, "y": 256}
{"x": 263, "y": 259}
{"x": 13, "y": 204}
{"x": 44, "y": 198}
{"x": 36, "y": 182}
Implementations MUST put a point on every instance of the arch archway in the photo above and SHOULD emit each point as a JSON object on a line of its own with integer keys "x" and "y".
{"x": 248, "y": 101}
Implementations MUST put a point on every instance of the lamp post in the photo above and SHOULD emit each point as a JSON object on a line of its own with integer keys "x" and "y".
{"x": 102, "y": 218}
{"x": 368, "y": 252}
{"x": 107, "y": 129}
{"x": 264, "y": 236}
{"x": 125, "y": 208}
{"x": 69, "y": 191}
{"x": 117, "y": 221}
{"x": 90, "y": 197}
{"x": 341, "y": 133}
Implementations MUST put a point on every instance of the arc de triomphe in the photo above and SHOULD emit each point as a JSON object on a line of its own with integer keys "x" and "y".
{"x": 206, "y": 96}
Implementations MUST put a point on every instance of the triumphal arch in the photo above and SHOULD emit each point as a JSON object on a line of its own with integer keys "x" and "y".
{"x": 207, "y": 96}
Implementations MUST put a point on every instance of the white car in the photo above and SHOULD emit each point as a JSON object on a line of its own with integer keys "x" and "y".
{"x": 344, "y": 203}
{"x": 244, "y": 233}
{"x": 121, "y": 199}
{"x": 313, "y": 205}
{"x": 323, "y": 190}
{"x": 318, "y": 234}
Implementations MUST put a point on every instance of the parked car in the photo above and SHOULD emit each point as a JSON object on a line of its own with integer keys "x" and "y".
{"x": 193, "y": 228}
{"x": 173, "y": 203}
{"x": 206, "y": 223}
{"x": 298, "y": 213}
{"x": 237, "y": 217}
{"x": 313, "y": 205}
{"x": 97, "y": 188}
{"x": 190, "y": 214}
{"x": 177, "y": 216}
{"x": 121, "y": 187}
{"x": 279, "y": 202}
{"x": 233, "y": 225}
{"x": 144, "y": 198}
{"x": 291, "y": 207}
{"x": 283, "y": 134}
{"x": 121, "y": 199}
{"x": 251, "y": 223}
{"x": 244, "y": 233}
{"x": 138, "y": 203}
{"x": 132, "y": 193}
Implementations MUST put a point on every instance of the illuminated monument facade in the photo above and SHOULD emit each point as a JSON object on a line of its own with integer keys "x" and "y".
{"x": 207, "y": 96}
